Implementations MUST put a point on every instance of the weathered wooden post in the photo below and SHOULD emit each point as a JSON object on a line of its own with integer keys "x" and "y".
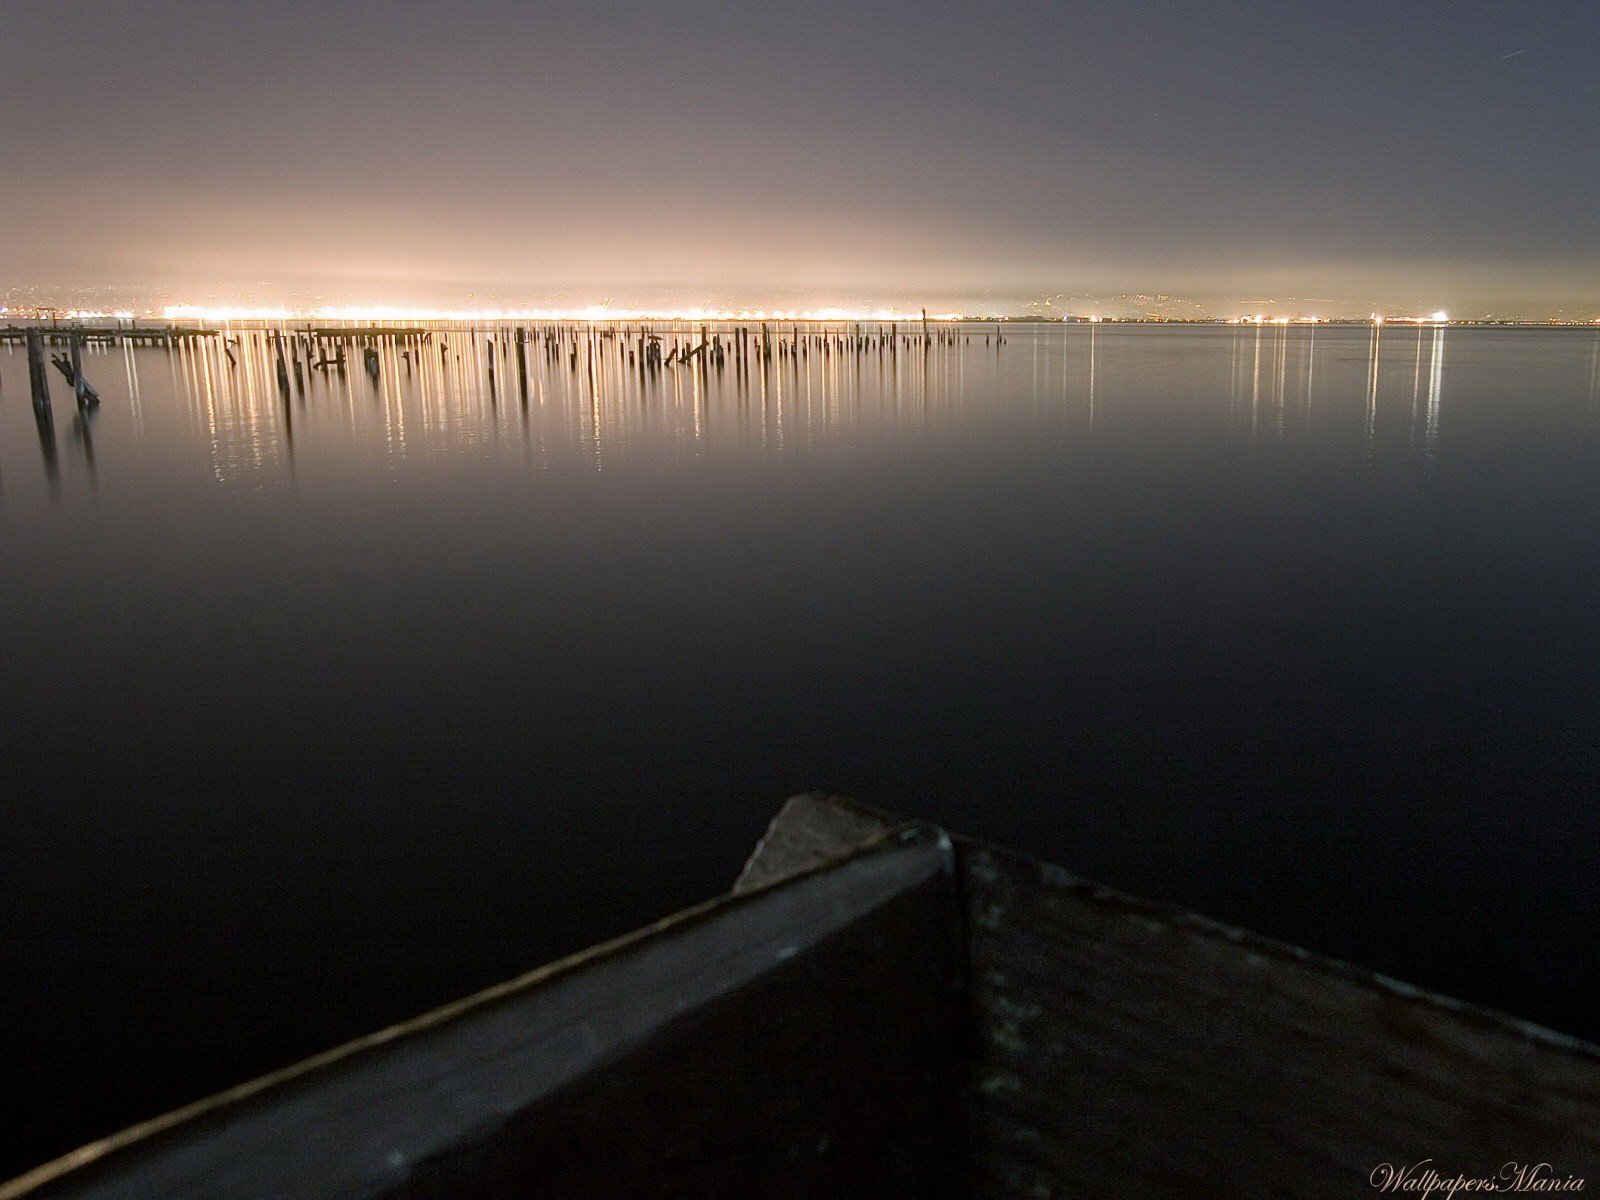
{"x": 283, "y": 367}
{"x": 38, "y": 382}
{"x": 86, "y": 395}
{"x": 75, "y": 357}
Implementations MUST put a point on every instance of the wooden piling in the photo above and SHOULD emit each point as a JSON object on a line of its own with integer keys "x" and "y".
{"x": 38, "y": 381}
{"x": 75, "y": 357}
{"x": 283, "y": 367}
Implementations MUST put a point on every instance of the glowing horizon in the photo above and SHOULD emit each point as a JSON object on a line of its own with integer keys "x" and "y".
{"x": 394, "y": 314}
{"x": 826, "y": 162}
{"x": 592, "y": 312}
{"x": 223, "y": 314}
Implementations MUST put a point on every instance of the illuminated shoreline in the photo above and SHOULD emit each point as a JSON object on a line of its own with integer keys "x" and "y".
{"x": 385, "y": 316}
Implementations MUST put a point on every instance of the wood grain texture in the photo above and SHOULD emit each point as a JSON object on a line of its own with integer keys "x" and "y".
{"x": 1129, "y": 1049}
{"x": 833, "y": 1075}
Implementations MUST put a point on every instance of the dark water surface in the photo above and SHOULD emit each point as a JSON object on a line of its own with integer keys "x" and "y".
{"x": 318, "y": 713}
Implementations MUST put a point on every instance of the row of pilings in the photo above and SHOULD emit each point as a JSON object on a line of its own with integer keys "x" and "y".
{"x": 69, "y": 364}
{"x": 647, "y": 348}
{"x": 650, "y": 349}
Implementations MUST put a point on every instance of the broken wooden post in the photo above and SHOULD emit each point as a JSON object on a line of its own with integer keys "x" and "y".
{"x": 87, "y": 397}
{"x": 72, "y": 371}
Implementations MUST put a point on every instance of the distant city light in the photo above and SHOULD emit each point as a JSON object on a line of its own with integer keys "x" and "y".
{"x": 593, "y": 312}
{"x": 384, "y": 314}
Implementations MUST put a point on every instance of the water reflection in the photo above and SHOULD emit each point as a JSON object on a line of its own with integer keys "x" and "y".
{"x": 251, "y": 404}
{"x": 1594, "y": 372}
{"x": 83, "y": 435}
{"x": 1374, "y": 356}
{"x": 1127, "y": 587}
{"x": 45, "y": 421}
{"x": 1435, "y": 383}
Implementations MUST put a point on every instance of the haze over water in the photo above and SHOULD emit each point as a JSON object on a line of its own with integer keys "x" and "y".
{"x": 408, "y": 684}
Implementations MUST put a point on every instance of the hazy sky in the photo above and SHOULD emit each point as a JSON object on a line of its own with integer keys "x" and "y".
{"x": 1399, "y": 154}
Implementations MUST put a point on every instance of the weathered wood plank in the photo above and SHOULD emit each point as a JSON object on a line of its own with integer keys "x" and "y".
{"x": 808, "y": 830}
{"x": 1127, "y": 1048}
{"x": 788, "y": 1042}
{"x": 1130, "y": 1049}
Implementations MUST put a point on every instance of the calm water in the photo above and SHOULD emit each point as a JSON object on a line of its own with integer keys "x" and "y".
{"x": 318, "y": 713}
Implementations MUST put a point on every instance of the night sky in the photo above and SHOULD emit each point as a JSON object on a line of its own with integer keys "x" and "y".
{"x": 1329, "y": 158}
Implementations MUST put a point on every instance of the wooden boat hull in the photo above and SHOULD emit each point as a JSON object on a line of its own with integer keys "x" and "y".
{"x": 879, "y": 1009}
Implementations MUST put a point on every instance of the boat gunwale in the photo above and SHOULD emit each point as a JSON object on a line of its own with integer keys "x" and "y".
{"x": 219, "y": 1105}
{"x": 969, "y": 861}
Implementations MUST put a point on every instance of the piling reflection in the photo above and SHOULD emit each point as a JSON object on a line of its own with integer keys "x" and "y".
{"x": 45, "y": 422}
{"x": 260, "y": 400}
{"x": 83, "y": 434}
